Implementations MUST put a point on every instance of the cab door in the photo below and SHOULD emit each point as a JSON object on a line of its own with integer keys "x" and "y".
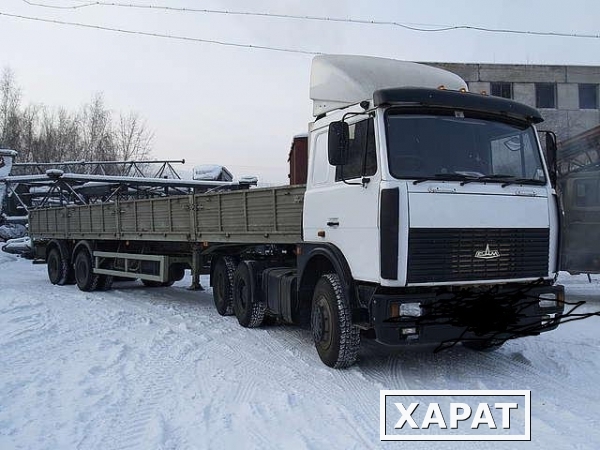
{"x": 342, "y": 202}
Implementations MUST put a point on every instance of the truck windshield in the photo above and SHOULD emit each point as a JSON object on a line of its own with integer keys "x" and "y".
{"x": 468, "y": 149}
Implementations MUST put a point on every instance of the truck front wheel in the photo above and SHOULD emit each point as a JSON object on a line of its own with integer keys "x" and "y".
{"x": 336, "y": 339}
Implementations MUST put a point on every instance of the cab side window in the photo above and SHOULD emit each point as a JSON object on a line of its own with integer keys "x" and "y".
{"x": 321, "y": 166}
{"x": 362, "y": 157}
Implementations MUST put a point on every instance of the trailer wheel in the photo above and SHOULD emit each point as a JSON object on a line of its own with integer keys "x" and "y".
{"x": 482, "y": 345}
{"x": 105, "y": 282}
{"x": 223, "y": 285}
{"x": 85, "y": 277}
{"x": 248, "y": 307}
{"x": 176, "y": 272}
{"x": 337, "y": 340}
{"x": 59, "y": 271}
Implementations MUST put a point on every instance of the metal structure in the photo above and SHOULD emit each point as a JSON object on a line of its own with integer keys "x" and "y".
{"x": 581, "y": 152}
{"x": 55, "y": 188}
{"x": 579, "y": 187}
{"x": 36, "y": 185}
{"x": 117, "y": 168}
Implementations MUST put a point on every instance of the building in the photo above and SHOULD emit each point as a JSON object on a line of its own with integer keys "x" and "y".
{"x": 567, "y": 96}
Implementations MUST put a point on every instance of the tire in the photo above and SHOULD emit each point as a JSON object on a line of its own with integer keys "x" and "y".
{"x": 247, "y": 305}
{"x": 336, "y": 339}
{"x": 223, "y": 285}
{"x": 85, "y": 277}
{"x": 176, "y": 272}
{"x": 482, "y": 345}
{"x": 59, "y": 270}
{"x": 105, "y": 282}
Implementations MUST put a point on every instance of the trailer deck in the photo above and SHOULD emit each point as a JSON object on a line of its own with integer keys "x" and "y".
{"x": 265, "y": 215}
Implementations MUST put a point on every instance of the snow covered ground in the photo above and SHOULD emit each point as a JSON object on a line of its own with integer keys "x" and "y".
{"x": 143, "y": 368}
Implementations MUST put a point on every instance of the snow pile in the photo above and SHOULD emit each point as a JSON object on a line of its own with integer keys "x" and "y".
{"x": 158, "y": 368}
{"x": 211, "y": 172}
{"x": 20, "y": 246}
{"x": 12, "y": 231}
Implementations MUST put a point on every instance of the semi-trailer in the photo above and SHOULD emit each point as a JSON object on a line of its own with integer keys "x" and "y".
{"x": 428, "y": 216}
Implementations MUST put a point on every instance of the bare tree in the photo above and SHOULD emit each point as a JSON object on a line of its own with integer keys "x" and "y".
{"x": 96, "y": 131}
{"x": 29, "y": 144}
{"x": 133, "y": 140}
{"x": 53, "y": 135}
{"x": 10, "y": 100}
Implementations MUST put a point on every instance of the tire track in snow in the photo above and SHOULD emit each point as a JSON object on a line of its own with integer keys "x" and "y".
{"x": 64, "y": 336}
{"x": 136, "y": 417}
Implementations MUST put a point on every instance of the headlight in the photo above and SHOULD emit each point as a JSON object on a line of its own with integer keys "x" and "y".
{"x": 548, "y": 300}
{"x": 410, "y": 309}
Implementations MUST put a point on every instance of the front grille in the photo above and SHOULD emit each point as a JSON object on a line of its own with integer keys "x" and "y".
{"x": 438, "y": 255}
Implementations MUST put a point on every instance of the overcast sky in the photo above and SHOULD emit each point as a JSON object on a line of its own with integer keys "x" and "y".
{"x": 239, "y": 107}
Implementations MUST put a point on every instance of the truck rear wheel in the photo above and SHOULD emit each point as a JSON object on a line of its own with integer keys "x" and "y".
{"x": 59, "y": 271}
{"x": 85, "y": 277}
{"x": 223, "y": 285}
{"x": 336, "y": 339}
{"x": 248, "y": 306}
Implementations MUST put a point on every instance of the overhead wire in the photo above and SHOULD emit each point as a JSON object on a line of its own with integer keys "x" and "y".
{"x": 159, "y": 35}
{"x": 431, "y": 27}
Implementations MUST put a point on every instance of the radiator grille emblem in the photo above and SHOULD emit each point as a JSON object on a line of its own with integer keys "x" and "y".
{"x": 487, "y": 253}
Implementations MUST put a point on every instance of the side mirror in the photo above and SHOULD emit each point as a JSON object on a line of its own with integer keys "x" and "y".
{"x": 337, "y": 144}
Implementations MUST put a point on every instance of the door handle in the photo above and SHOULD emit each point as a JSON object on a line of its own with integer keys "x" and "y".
{"x": 333, "y": 224}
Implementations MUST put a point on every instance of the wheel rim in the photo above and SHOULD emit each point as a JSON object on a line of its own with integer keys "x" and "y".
{"x": 321, "y": 323}
{"x": 243, "y": 294}
{"x": 220, "y": 287}
{"x": 53, "y": 266}
{"x": 81, "y": 270}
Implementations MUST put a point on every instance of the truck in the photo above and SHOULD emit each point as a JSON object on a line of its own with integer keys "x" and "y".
{"x": 428, "y": 217}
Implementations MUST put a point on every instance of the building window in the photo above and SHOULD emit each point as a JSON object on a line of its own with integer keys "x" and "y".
{"x": 502, "y": 90}
{"x": 545, "y": 95}
{"x": 588, "y": 96}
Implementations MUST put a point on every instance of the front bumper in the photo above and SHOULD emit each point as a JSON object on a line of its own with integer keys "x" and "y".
{"x": 492, "y": 314}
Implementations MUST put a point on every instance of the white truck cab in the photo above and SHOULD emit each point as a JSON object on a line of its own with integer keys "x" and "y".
{"x": 430, "y": 193}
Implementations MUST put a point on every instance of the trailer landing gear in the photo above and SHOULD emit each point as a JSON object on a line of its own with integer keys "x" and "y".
{"x": 196, "y": 266}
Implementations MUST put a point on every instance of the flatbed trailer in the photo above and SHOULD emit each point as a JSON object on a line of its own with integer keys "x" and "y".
{"x": 156, "y": 239}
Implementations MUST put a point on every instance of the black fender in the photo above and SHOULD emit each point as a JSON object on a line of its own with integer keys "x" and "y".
{"x": 62, "y": 246}
{"x": 89, "y": 246}
{"x": 316, "y": 259}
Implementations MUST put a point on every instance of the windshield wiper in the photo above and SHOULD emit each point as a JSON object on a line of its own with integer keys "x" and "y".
{"x": 524, "y": 181}
{"x": 495, "y": 177}
{"x": 446, "y": 177}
